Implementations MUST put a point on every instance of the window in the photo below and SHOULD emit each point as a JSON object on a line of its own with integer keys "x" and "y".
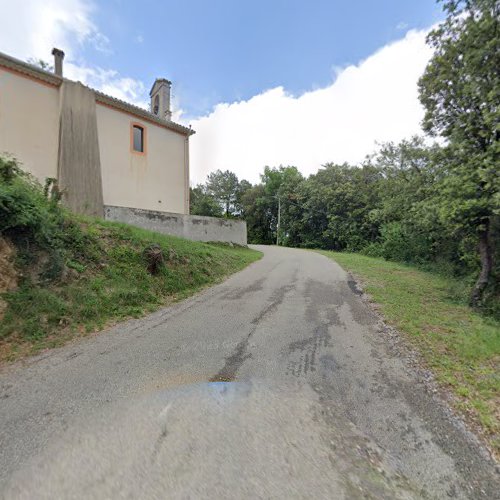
{"x": 138, "y": 138}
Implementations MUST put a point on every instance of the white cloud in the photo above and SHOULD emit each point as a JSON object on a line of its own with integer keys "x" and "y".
{"x": 36, "y": 26}
{"x": 31, "y": 28}
{"x": 101, "y": 43}
{"x": 110, "y": 82}
{"x": 377, "y": 100}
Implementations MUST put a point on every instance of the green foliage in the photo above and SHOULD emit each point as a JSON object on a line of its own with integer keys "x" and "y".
{"x": 258, "y": 215}
{"x": 46, "y": 236}
{"x": 202, "y": 203}
{"x": 223, "y": 187}
{"x": 434, "y": 205}
{"x": 460, "y": 91}
{"x": 400, "y": 243}
{"x": 9, "y": 169}
{"x": 281, "y": 186}
{"x": 390, "y": 207}
{"x": 79, "y": 273}
{"x": 220, "y": 196}
{"x": 51, "y": 190}
{"x": 461, "y": 85}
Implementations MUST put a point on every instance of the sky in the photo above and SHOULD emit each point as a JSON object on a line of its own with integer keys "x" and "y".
{"x": 263, "y": 82}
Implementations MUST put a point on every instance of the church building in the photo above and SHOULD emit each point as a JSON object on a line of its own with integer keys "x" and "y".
{"x": 104, "y": 152}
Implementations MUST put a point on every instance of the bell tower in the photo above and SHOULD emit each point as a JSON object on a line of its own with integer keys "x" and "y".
{"x": 160, "y": 98}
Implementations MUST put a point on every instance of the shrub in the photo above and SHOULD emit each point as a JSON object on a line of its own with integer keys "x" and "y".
{"x": 374, "y": 249}
{"x": 33, "y": 219}
{"x": 403, "y": 243}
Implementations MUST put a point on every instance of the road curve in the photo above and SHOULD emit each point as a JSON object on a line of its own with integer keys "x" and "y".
{"x": 274, "y": 384}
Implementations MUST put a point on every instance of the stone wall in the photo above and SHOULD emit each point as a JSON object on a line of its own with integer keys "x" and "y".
{"x": 191, "y": 227}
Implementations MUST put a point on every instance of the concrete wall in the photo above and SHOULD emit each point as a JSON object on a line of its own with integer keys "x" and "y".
{"x": 79, "y": 169}
{"x": 191, "y": 227}
{"x": 29, "y": 123}
{"x": 154, "y": 180}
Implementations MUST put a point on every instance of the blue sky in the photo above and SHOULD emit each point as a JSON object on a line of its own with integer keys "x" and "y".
{"x": 227, "y": 50}
{"x": 276, "y": 82}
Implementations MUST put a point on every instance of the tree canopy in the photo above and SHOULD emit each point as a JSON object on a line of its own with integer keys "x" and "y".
{"x": 429, "y": 203}
{"x": 460, "y": 91}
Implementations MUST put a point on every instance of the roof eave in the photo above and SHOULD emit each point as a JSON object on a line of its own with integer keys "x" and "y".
{"x": 29, "y": 70}
{"x": 46, "y": 76}
{"x": 141, "y": 113}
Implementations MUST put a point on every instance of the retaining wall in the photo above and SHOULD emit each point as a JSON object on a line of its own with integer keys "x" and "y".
{"x": 191, "y": 227}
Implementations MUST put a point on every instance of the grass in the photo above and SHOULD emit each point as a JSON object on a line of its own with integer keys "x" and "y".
{"x": 459, "y": 345}
{"x": 106, "y": 280}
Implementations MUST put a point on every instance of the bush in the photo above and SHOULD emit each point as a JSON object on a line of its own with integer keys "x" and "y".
{"x": 41, "y": 229}
{"x": 373, "y": 250}
{"x": 403, "y": 243}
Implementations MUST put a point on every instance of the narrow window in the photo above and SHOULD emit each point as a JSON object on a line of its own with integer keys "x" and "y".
{"x": 138, "y": 139}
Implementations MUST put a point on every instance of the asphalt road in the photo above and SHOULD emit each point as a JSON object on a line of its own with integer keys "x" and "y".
{"x": 274, "y": 384}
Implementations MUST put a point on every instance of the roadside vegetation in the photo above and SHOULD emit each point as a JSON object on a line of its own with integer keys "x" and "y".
{"x": 69, "y": 275}
{"x": 419, "y": 202}
{"x": 460, "y": 346}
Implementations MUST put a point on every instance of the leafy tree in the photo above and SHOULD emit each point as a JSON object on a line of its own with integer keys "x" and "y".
{"x": 280, "y": 185}
{"x": 243, "y": 187}
{"x": 409, "y": 228}
{"x": 224, "y": 187}
{"x": 255, "y": 211}
{"x": 340, "y": 198}
{"x": 201, "y": 203}
{"x": 460, "y": 91}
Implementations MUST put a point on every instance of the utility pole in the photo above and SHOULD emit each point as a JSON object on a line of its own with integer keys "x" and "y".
{"x": 279, "y": 219}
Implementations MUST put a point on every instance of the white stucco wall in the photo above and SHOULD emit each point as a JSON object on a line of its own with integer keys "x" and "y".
{"x": 153, "y": 181}
{"x": 29, "y": 123}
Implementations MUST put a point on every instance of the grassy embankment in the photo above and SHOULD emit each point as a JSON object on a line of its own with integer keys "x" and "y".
{"x": 77, "y": 275}
{"x": 107, "y": 283}
{"x": 459, "y": 345}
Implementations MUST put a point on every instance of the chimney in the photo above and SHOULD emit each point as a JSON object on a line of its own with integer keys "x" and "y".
{"x": 58, "y": 61}
{"x": 160, "y": 98}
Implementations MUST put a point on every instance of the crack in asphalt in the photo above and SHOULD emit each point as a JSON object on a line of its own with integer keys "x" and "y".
{"x": 234, "y": 362}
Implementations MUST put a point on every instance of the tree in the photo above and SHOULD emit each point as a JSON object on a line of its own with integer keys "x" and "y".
{"x": 255, "y": 211}
{"x": 281, "y": 184}
{"x": 243, "y": 187}
{"x": 460, "y": 91}
{"x": 223, "y": 186}
{"x": 201, "y": 203}
{"x": 337, "y": 202}
{"x": 406, "y": 217}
